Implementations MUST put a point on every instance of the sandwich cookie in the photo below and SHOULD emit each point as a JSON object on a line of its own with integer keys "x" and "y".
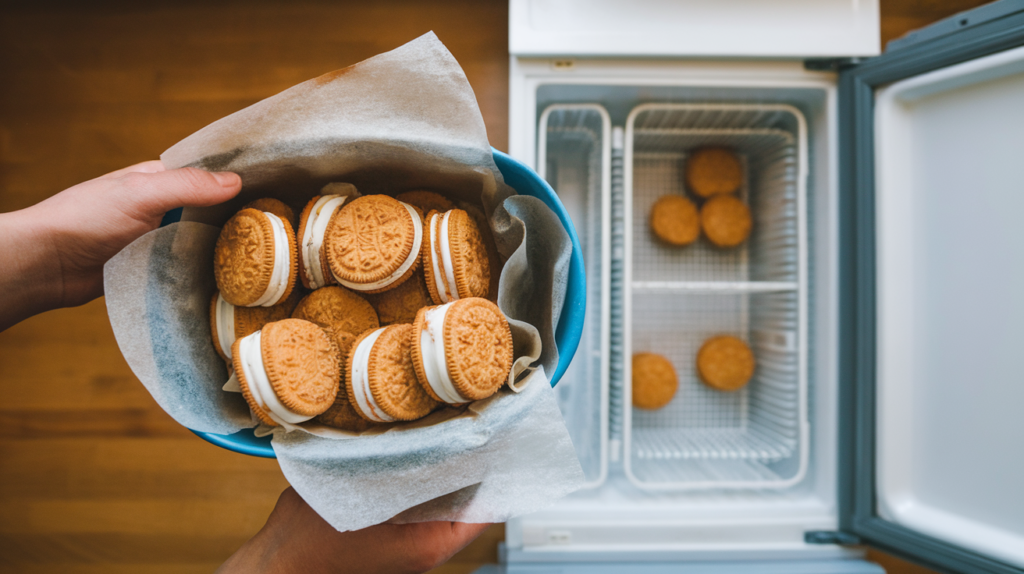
{"x": 254, "y": 262}
{"x": 401, "y": 304}
{"x": 455, "y": 260}
{"x": 313, "y": 269}
{"x": 337, "y": 310}
{"x": 228, "y": 323}
{"x": 288, "y": 371}
{"x": 462, "y": 350}
{"x": 373, "y": 243}
{"x": 275, "y": 206}
{"x": 426, "y": 200}
{"x": 341, "y": 414}
{"x": 380, "y": 378}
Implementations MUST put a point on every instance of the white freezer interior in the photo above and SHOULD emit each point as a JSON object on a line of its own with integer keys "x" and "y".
{"x": 950, "y": 442}
{"x": 711, "y": 472}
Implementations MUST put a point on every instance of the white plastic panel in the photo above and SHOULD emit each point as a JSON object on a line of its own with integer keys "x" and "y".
{"x": 574, "y": 156}
{"x": 950, "y": 247}
{"x": 759, "y": 28}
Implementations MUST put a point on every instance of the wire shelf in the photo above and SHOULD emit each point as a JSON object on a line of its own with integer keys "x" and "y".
{"x": 677, "y": 298}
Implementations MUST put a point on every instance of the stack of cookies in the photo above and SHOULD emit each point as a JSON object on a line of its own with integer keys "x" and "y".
{"x": 713, "y": 175}
{"x": 368, "y": 310}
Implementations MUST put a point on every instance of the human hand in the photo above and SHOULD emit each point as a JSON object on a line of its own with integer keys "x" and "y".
{"x": 52, "y": 254}
{"x": 296, "y": 539}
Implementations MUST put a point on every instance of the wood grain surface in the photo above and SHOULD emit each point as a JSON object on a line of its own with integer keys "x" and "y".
{"x": 94, "y": 476}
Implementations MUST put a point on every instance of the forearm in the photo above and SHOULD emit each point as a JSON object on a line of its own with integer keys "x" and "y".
{"x": 30, "y": 274}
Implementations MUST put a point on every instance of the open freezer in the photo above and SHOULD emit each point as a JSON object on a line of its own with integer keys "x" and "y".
{"x": 783, "y": 475}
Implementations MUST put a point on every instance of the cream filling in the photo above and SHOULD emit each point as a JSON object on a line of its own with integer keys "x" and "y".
{"x": 263, "y": 394}
{"x": 417, "y": 241}
{"x": 282, "y": 265}
{"x": 361, "y": 380}
{"x": 446, "y": 260}
{"x": 435, "y": 265}
{"x": 435, "y": 365}
{"x": 313, "y": 237}
{"x": 224, "y": 314}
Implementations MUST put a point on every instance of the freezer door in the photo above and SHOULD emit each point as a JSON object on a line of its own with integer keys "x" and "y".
{"x": 932, "y": 295}
{"x": 741, "y": 28}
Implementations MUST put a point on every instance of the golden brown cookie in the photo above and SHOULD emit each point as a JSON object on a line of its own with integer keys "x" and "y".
{"x": 654, "y": 381}
{"x": 455, "y": 260}
{"x": 316, "y": 215}
{"x": 254, "y": 261}
{"x": 494, "y": 259}
{"x": 725, "y": 363}
{"x": 289, "y": 371}
{"x": 462, "y": 351}
{"x": 341, "y": 414}
{"x": 674, "y": 220}
{"x": 336, "y": 309}
{"x": 380, "y": 378}
{"x": 713, "y": 171}
{"x": 275, "y": 206}
{"x": 401, "y": 304}
{"x": 229, "y": 323}
{"x": 726, "y": 220}
{"x": 426, "y": 200}
{"x": 373, "y": 243}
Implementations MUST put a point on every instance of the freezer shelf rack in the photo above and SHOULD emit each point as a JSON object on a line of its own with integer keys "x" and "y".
{"x": 769, "y": 254}
{"x": 574, "y": 156}
{"x": 677, "y": 298}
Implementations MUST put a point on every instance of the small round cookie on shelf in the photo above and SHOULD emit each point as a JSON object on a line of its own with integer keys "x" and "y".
{"x": 726, "y": 220}
{"x": 654, "y": 381}
{"x": 674, "y": 220}
{"x": 713, "y": 171}
{"x": 725, "y": 363}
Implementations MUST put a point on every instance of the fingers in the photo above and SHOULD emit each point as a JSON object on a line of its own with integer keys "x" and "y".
{"x": 464, "y": 532}
{"x": 152, "y": 166}
{"x": 152, "y": 194}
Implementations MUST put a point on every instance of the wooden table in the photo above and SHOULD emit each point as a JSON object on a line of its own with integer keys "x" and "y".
{"x": 94, "y": 476}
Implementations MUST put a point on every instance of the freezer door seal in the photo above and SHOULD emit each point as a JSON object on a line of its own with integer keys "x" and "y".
{"x": 880, "y": 260}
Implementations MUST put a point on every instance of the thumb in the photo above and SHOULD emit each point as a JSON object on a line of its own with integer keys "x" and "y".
{"x": 153, "y": 194}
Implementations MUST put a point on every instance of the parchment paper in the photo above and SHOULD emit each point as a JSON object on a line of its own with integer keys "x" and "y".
{"x": 403, "y": 120}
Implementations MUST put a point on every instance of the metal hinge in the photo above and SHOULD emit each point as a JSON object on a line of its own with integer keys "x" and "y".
{"x": 830, "y": 64}
{"x": 831, "y": 537}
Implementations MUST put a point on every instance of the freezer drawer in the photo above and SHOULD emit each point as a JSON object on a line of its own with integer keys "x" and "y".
{"x": 676, "y": 298}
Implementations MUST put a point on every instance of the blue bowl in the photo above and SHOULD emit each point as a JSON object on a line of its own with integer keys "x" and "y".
{"x": 570, "y": 324}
